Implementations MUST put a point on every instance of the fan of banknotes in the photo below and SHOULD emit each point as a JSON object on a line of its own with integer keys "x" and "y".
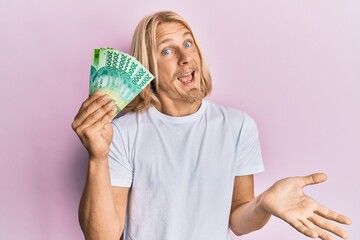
{"x": 119, "y": 75}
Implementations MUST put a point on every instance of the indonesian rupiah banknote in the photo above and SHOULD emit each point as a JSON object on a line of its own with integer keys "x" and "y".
{"x": 119, "y": 75}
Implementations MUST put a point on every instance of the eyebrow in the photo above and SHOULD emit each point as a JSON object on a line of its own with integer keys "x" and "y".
{"x": 170, "y": 39}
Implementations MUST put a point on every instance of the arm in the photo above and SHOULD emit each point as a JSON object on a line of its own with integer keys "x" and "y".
{"x": 246, "y": 213}
{"x": 102, "y": 207}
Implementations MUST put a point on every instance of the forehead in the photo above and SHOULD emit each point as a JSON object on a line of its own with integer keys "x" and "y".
{"x": 171, "y": 30}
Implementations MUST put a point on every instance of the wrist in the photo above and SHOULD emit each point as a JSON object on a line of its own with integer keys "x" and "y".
{"x": 97, "y": 164}
{"x": 98, "y": 159}
{"x": 260, "y": 205}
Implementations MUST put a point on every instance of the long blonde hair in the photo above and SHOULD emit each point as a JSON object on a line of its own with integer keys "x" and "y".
{"x": 143, "y": 48}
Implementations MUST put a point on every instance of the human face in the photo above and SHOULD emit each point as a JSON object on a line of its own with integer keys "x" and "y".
{"x": 178, "y": 63}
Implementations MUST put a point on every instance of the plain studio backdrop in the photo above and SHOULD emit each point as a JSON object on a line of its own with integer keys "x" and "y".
{"x": 292, "y": 65}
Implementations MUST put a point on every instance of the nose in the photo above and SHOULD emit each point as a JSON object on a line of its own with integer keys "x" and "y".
{"x": 184, "y": 57}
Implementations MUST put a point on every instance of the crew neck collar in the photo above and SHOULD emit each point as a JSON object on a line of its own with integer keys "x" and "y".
{"x": 185, "y": 119}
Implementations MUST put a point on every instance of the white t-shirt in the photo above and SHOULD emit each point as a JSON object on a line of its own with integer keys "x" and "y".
{"x": 181, "y": 170}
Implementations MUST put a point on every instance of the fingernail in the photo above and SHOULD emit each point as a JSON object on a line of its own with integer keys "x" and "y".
{"x": 97, "y": 94}
{"x": 105, "y": 97}
{"x": 111, "y": 104}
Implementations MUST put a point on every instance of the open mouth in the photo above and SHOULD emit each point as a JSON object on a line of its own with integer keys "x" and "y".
{"x": 187, "y": 78}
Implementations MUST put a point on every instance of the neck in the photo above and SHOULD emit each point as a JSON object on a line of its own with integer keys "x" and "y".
{"x": 178, "y": 108}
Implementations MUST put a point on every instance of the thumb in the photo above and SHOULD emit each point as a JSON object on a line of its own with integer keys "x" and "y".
{"x": 314, "y": 178}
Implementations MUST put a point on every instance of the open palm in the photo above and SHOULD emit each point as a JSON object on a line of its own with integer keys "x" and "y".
{"x": 287, "y": 200}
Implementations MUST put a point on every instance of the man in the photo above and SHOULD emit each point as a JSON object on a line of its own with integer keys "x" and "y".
{"x": 178, "y": 166}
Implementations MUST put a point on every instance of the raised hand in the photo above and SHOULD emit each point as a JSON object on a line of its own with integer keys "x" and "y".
{"x": 287, "y": 200}
{"x": 92, "y": 125}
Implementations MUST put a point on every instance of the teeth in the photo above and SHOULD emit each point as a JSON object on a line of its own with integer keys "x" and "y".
{"x": 187, "y": 74}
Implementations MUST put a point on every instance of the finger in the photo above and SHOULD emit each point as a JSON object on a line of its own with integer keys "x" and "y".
{"x": 106, "y": 119}
{"x": 328, "y": 226}
{"x": 300, "y": 227}
{"x": 331, "y": 215}
{"x": 326, "y": 236}
{"x": 313, "y": 179}
{"x": 90, "y": 109}
{"x": 321, "y": 233}
{"x": 89, "y": 100}
{"x": 99, "y": 114}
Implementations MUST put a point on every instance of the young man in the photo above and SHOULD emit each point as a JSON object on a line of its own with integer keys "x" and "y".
{"x": 178, "y": 166}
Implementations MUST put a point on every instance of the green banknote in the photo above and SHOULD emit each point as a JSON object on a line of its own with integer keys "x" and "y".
{"x": 119, "y": 75}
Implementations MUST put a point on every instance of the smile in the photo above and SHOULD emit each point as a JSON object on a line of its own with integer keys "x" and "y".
{"x": 187, "y": 78}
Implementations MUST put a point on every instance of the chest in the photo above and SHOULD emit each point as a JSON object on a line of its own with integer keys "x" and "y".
{"x": 169, "y": 157}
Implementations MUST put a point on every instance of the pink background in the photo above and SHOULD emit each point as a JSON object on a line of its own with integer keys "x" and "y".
{"x": 292, "y": 65}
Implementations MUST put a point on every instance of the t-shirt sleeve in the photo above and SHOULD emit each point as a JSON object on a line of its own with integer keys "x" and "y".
{"x": 249, "y": 160}
{"x": 121, "y": 170}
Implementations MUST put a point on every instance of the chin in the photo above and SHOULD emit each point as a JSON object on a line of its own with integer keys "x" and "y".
{"x": 192, "y": 96}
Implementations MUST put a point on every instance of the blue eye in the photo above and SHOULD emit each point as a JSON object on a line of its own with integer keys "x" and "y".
{"x": 188, "y": 44}
{"x": 166, "y": 52}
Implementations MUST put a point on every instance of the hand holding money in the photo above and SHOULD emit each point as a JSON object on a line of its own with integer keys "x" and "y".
{"x": 92, "y": 125}
{"x": 116, "y": 79}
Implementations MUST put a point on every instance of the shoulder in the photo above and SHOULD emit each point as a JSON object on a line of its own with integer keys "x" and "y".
{"x": 230, "y": 116}
{"x": 227, "y": 113}
{"x": 125, "y": 117}
{"x": 129, "y": 120}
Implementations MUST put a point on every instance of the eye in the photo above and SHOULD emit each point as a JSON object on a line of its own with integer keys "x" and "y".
{"x": 166, "y": 52}
{"x": 187, "y": 44}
